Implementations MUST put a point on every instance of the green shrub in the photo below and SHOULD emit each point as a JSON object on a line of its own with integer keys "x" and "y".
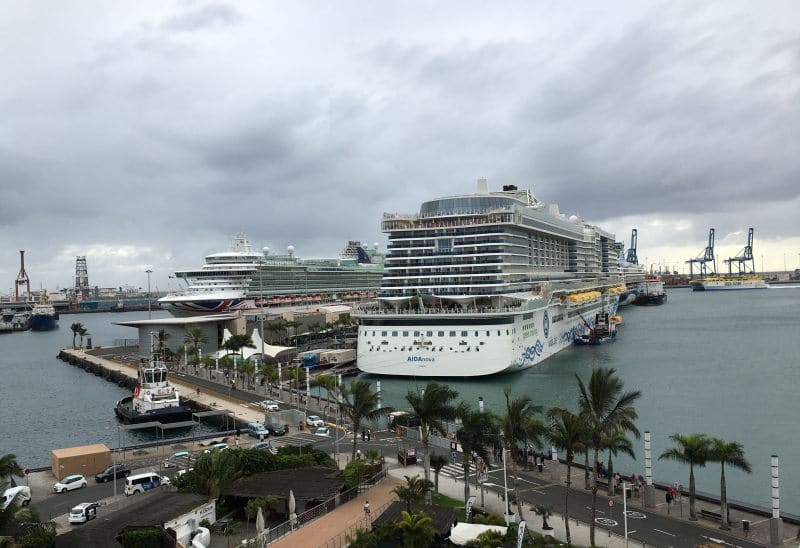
{"x": 354, "y": 473}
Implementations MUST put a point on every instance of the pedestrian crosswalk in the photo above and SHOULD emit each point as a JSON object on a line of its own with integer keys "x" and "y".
{"x": 456, "y": 470}
{"x": 295, "y": 440}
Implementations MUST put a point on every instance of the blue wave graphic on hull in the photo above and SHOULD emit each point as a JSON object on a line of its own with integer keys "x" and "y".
{"x": 530, "y": 353}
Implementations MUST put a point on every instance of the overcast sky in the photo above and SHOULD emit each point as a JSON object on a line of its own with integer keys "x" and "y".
{"x": 148, "y": 133}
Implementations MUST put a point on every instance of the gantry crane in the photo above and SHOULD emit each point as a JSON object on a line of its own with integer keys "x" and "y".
{"x": 744, "y": 260}
{"x": 631, "y": 256}
{"x": 707, "y": 256}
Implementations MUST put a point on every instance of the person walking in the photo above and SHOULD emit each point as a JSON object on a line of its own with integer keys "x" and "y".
{"x": 366, "y": 509}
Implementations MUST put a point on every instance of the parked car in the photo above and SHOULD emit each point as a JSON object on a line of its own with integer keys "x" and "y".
{"x": 269, "y": 405}
{"x": 85, "y": 511}
{"x": 75, "y": 481}
{"x": 263, "y": 445}
{"x": 314, "y": 420}
{"x": 21, "y": 494}
{"x": 144, "y": 482}
{"x": 178, "y": 459}
{"x": 322, "y": 431}
{"x": 182, "y": 472}
{"x": 216, "y": 447}
{"x": 275, "y": 429}
{"x": 121, "y": 471}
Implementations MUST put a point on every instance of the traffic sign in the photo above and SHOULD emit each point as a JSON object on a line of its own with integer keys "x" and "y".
{"x": 27, "y": 471}
{"x": 610, "y": 503}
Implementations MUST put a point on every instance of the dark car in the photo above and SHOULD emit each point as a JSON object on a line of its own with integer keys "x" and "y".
{"x": 122, "y": 471}
{"x": 275, "y": 429}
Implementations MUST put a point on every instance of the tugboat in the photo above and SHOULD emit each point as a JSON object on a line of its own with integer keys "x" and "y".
{"x": 154, "y": 398}
{"x": 651, "y": 292}
{"x": 603, "y": 331}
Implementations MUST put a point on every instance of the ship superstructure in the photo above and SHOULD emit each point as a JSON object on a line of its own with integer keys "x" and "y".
{"x": 485, "y": 283}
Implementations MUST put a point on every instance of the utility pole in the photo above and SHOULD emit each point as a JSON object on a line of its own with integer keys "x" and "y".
{"x": 148, "y": 271}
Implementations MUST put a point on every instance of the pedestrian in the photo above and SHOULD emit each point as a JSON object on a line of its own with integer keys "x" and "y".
{"x": 366, "y": 509}
{"x": 358, "y": 454}
{"x": 363, "y": 434}
{"x": 369, "y": 434}
{"x": 198, "y": 391}
{"x": 679, "y": 494}
{"x": 237, "y": 441}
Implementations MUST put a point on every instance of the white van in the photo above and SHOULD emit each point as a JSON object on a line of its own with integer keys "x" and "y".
{"x": 144, "y": 482}
{"x": 257, "y": 430}
{"x": 85, "y": 511}
{"x": 22, "y": 494}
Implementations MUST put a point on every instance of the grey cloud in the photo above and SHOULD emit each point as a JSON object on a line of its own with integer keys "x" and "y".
{"x": 203, "y": 17}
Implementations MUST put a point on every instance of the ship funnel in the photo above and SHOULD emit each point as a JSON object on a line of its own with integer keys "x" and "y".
{"x": 483, "y": 186}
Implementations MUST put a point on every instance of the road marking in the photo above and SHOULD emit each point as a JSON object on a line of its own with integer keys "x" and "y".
{"x": 660, "y": 531}
{"x": 759, "y": 521}
{"x": 631, "y": 532}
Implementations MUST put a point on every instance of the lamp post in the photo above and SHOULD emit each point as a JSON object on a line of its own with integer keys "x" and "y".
{"x": 148, "y": 271}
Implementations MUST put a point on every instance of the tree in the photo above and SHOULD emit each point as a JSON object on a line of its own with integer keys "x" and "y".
{"x": 732, "y": 453}
{"x": 194, "y": 337}
{"x": 488, "y": 539}
{"x": 604, "y": 408}
{"x": 616, "y": 442}
{"x": 694, "y": 450}
{"x": 236, "y": 342}
{"x": 9, "y": 466}
{"x": 566, "y": 432}
{"x": 545, "y": 511}
{"x": 315, "y": 328}
{"x": 431, "y": 407}
{"x": 416, "y": 529}
{"x": 269, "y": 372}
{"x": 437, "y": 463}
{"x": 360, "y": 403}
{"x": 363, "y": 539}
{"x": 414, "y": 491}
{"x": 275, "y": 327}
{"x": 518, "y": 427}
{"x": 75, "y": 328}
{"x": 477, "y": 433}
{"x": 162, "y": 338}
{"x": 328, "y": 382}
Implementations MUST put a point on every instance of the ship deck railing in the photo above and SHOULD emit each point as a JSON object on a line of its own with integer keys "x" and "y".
{"x": 437, "y": 310}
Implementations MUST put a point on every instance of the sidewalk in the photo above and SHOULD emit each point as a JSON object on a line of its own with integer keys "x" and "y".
{"x": 346, "y": 518}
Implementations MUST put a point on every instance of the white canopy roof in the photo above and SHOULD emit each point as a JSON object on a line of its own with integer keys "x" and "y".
{"x": 269, "y": 349}
{"x": 462, "y": 533}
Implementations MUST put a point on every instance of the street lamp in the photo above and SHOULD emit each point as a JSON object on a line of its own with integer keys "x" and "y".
{"x": 148, "y": 271}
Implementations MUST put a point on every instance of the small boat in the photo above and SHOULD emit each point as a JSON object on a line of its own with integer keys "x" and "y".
{"x": 43, "y": 316}
{"x": 651, "y": 292}
{"x": 604, "y": 330}
{"x": 154, "y": 398}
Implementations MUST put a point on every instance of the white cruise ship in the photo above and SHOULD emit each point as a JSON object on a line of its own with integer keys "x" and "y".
{"x": 485, "y": 283}
{"x": 220, "y": 285}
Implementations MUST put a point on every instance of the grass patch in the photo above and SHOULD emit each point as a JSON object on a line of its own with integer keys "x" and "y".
{"x": 438, "y": 499}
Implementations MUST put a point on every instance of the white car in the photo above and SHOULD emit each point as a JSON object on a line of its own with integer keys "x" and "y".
{"x": 75, "y": 481}
{"x": 85, "y": 511}
{"x": 314, "y": 420}
{"x": 21, "y": 494}
{"x": 269, "y": 405}
{"x": 322, "y": 431}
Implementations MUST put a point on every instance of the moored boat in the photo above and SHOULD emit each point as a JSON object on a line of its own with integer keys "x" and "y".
{"x": 651, "y": 292}
{"x": 43, "y": 316}
{"x": 154, "y": 398}
{"x": 727, "y": 283}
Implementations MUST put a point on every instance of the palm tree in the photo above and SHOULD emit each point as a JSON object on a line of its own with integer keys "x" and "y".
{"x": 163, "y": 337}
{"x": 249, "y": 370}
{"x": 567, "y": 433}
{"x": 692, "y": 449}
{"x": 518, "y": 427}
{"x": 363, "y": 539}
{"x": 616, "y": 442}
{"x": 727, "y": 452}
{"x": 75, "y": 328}
{"x": 359, "y": 403}
{"x": 269, "y": 372}
{"x": 288, "y": 326}
{"x": 416, "y": 529}
{"x": 414, "y": 491}
{"x": 236, "y": 342}
{"x": 437, "y": 463}
{"x": 477, "y": 433}
{"x": 194, "y": 337}
{"x": 314, "y": 328}
{"x": 604, "y": 408}
{"x": 328, "y": 382}
{"x": 431, "y": 407}
{"x": 488, "y": 539}
{"x": 275, "y": 327}
{"x": 9, "y": 466}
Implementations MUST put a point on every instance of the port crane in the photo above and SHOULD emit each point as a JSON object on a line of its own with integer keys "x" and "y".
{"x": 707, "y": 256}
{"x": 745, "y": 263}
{"x": 631, "y": 256}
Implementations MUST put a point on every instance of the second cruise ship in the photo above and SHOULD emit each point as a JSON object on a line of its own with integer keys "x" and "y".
{"x": 485, "y": 283}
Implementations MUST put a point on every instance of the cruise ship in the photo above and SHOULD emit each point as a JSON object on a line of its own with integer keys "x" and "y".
{"x": 485, "y": 283}
{"x": 243, "y": 279}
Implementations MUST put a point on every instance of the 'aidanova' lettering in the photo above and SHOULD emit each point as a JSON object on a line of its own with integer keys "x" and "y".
{"x": 420, "y": 359}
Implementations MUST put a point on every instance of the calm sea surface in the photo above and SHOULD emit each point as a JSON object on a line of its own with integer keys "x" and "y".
{"x": 721, "y": 363}
{"x": 725, "y": 364}
{"x": 48, "y": 404}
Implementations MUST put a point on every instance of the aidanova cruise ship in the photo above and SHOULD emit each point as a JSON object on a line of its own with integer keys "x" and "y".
{"x": 485, "y": 283}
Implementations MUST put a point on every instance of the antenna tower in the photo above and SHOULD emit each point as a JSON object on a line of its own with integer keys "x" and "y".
{"x": 81, "y": 277}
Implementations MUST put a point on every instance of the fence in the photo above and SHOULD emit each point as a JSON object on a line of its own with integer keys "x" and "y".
{"x": 283, "y": 529}
{"x": 341, "y": 540}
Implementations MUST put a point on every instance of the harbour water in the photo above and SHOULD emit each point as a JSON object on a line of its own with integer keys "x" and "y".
{"x": 49, "y": 404}
{"x": 720, "y": 363}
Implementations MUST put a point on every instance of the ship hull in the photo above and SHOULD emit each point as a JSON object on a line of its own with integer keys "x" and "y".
{"x": 43, "y": 322}
{"x": 650, "y": 300}
{"x": 198, "y": 307}
{"x": 728, "y": 285}
{"x": 124, "y": 411}
{"x": 472, "y": 346}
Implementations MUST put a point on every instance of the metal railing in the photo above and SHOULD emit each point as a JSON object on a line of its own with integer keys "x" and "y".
{"x": 306, "y": 517}
{"x": 341, "y": 540}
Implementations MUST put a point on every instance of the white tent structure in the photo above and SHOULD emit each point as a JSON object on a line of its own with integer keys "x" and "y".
{"x": 462, "y": 533}
{"x": 269, "y": 350}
